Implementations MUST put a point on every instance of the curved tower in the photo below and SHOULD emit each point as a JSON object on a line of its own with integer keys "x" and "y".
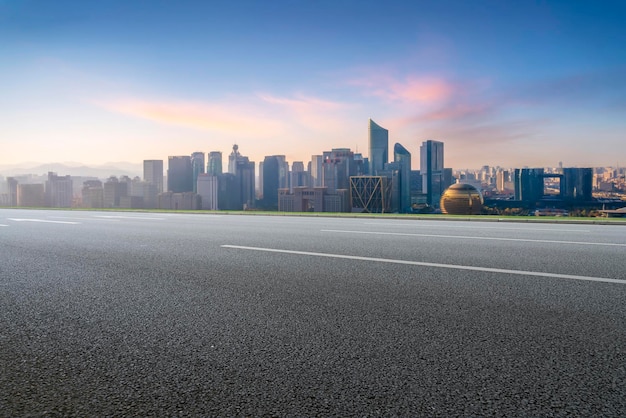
{"x": 403, "y": 157}
{"x": 379, "y": 147}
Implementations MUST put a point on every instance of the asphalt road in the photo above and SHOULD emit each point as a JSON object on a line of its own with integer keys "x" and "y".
{"x": 112, "y": 314}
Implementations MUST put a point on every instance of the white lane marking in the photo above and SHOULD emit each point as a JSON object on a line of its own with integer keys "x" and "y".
{"x": 438, "y": 265}
{"x": 84, "y": 219}
{"x": 545, "y": 241}
{"x": 128, "y": 217}
{"x": 1, "y": 225}
{"x": 483, "y": 227}
{"x": 44, "y": 220}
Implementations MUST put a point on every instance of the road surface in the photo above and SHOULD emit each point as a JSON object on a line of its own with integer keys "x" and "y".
{"x": 113, "y": 313}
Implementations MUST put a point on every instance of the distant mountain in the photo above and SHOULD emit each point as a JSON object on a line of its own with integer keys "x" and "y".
{"x": 74, "y": 169}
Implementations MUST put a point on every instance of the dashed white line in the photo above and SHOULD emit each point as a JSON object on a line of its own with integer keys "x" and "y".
{"x": 405, "y": 234}
{"x": 437, "y": 265}
{"x": 43, "y": 221}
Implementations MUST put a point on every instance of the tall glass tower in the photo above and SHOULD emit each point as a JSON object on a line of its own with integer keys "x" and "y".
{"x": 214, "y": 166}
{"x": 197, "y": 167}
{"x": 379, "y": 147}
{"x": 403, "y": 157}
{"x": 431, "y": 167}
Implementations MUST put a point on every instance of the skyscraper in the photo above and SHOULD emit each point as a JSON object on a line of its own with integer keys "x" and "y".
{"x": 214, "y": 165}
{"x": 153, "y": 173}
{"x": 59, "y": 191}
{"x": 379, "y": 147}
{"x": 271, "y": 178}
{"x": 403, "y": 158}
{"x": 197, "y": 168}
{"x": 316, "y": 170}
{"x": 232, "y": 160}
{"x": 431, "y": 168}
{"x": 338, "y": 166}
{"x": 179, "y": 174}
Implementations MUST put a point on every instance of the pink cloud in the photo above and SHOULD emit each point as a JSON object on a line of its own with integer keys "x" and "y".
{"x": 412, "y": 89}
{"x": 229, "y": 118}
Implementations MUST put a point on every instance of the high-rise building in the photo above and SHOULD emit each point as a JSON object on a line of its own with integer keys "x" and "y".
{"x": 432, "y": 170}
{"x": 153, "y": 173}
{"x": 12, "y": 186}
{"x": 316, "y": 170}
{"x": 577, "y": 184}
{"x": 31, "y": 195}
{"x": 245, "y": 178}
{"x": 232, "y": 160}
{"x": 403, "y": 158}
{"x": 59, "y": 192}
{"x": 378, "y": 147}
{"x": 529, "y": 184}
{"x": 179, "y": 174}
{"x": 298, "y": 177}
{"x": 338, "y": 165}
{"x": 229, "y": 193}
{"x": 114, "y": 190}
{"x": 92, "y": 194}
{"x": 208, "y": 189}
{"x": 502, "y": 178}
{"x": 197, "y": 168}
{"x": 271, "y": 181}
{"x": 214, "y": 165}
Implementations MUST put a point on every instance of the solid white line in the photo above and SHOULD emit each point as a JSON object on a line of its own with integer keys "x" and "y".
{"x": 340, "y": 231}
{"x": 424, "y": 264}
{"x": 128, "y": 217}
{"x": 422, "y": 225}
{"x": 44, "y": 220}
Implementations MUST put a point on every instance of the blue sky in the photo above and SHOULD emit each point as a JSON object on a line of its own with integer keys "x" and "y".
{"x": 510, "y": 83}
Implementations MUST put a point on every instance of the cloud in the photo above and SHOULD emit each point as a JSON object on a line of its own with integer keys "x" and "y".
{"x": 311, "y": 113}
{"x": 222, "y": 117}
{"x": 417, "y": 89}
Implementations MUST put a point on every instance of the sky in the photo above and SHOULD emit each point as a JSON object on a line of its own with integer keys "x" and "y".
{"x": 502, "y": 83}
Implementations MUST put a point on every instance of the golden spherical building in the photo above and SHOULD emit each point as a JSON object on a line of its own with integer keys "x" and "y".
{"x": 461, "y": 199}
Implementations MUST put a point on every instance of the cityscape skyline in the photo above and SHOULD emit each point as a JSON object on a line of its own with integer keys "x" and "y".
{"x": 511, "y": 84}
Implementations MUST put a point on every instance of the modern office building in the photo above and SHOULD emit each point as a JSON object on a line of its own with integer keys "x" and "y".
{"x": 31, "y": 195}
{"x": 214, "y": 165}
{"x": 577, "y": 184}
{"x": 338, "y": 165}
{"x": 197, "y": 168}
{"x": 12, "y": 190}
{"x": 208, "y": 189}
{"x": 59, "y": 193}
{"x": 378, "y": 147}
{"x": 245, "y": 178}
{"x": 229, "y": 192}
{"x": 271, "y": 179}
{"x": 297, "y": 176}
{"x": 179, "y": 174}
{"x": 432, "y": 171}
{"x": 316, "y": 171}
{"x": 402, "y": 157}
{"x": 92, "y": 194}
{"x": 153, "y": 173}
{"x": 114, "y": 190}
{"x": 232, "y": 159}
{"x": 528, "y": 184}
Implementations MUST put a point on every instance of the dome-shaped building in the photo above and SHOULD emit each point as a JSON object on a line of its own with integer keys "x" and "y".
{"x": 461, "y": 199}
